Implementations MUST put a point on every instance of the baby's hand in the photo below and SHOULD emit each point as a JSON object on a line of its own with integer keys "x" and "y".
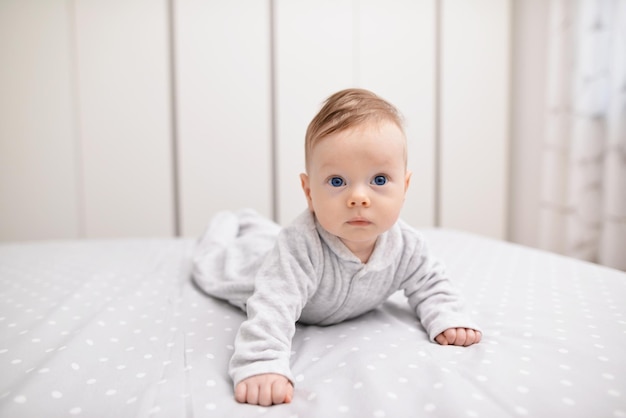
{"x": 459, "y": 336}
{"x": 264, "y": 389}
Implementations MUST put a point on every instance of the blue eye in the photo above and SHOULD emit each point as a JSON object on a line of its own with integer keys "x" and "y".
{"x": 336, "y": 182}
{"x": 380, "y": 180}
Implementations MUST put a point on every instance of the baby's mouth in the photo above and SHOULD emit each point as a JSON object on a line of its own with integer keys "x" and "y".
{"x": 358, "y": 221}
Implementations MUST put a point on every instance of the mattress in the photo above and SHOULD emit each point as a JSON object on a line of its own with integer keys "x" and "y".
{"x": 117, "y": 328}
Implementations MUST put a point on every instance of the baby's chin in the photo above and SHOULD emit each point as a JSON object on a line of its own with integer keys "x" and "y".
{"x": 358, "y": 241}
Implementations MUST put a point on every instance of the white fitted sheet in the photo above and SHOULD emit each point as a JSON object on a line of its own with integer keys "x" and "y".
{"x": 116, "y": 328}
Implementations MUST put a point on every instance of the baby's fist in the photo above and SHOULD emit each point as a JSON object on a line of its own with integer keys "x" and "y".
{"x": 264, "y": 389}
{"x": 459, "y": 336}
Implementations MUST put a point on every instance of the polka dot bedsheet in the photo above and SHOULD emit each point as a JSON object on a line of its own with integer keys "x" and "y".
{"x": 117, "y": 329}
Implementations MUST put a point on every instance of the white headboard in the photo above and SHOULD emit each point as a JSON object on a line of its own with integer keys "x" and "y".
{"x": 143, "y": 118}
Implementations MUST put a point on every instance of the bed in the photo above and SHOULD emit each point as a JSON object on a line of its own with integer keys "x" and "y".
{"x": 116, "y": 328}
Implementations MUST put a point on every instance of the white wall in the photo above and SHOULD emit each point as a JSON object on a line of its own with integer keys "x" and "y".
{"x": 123, "y": 114}
{"x": 85, "y": 136}
{"x": 223, "y": 108}
{"x": 158, "y": 114}
{"x": 38, "y": 155}
{"x": 474, "y": 116}
{"x": 529, "y": 63}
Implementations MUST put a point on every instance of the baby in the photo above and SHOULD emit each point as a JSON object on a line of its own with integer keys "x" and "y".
{"x": 345, "y": 255}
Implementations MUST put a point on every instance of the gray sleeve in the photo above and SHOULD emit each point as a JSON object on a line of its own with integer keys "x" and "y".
{"x": 282, "y": 287}
{"x": 432, "y": 295}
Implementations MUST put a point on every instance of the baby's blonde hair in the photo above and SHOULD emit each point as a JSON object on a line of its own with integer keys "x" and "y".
{"x": 346, "y": 109}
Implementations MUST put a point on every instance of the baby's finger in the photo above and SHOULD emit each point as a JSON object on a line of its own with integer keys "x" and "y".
{"x": 461, "y": 336}
{"x": 252, "y": 396}
{"x": 470, "y": 337}
{"x": 265, "y": 394}
{"x": 441, "y": 339}
{"x": 279, "y": 392}
{"x": 450, "y": 335}
{"x": 289, "y": 395}
{"x": 241, "y": 392}
{"x": 477, "y": 336}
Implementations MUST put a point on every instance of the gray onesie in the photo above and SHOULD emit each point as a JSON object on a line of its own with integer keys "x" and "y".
{"x": 303, "y": 273}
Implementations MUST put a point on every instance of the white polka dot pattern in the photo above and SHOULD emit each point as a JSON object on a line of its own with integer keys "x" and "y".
{"x": 116, "y": 328}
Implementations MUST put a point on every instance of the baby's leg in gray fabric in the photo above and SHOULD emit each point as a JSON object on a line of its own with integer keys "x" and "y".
{"x": 230, "y": 252}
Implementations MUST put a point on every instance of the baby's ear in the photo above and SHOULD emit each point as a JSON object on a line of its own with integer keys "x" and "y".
{"x": 306, "y": 188}
{"x": 407, "y": 180}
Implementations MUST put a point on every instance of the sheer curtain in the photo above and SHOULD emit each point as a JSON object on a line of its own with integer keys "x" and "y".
{"x": 583, "y": 191}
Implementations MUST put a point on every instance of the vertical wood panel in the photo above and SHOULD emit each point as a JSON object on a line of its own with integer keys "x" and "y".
{"x": 37, "y": 156}
{"x": 314, "y": 58}
{"x": 125, "y": 131}
{"x": 223, "y": 108}
{"x": 529, "y": 62}
{"x": 396, "y": 59}
{"x": 474, "y": 115}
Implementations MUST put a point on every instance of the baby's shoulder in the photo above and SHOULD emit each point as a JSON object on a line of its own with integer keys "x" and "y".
{"x": 302, "y": 224}
{"x": 414, "y": 243}
{"x": 409, "y": 233}
{"x": 301, "y": 233}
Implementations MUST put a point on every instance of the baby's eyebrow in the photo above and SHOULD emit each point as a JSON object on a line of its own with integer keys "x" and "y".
{"x": 331, "y": 166}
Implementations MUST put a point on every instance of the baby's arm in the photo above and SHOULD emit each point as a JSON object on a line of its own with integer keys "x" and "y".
{"x": 459, "y": 336}
{"x": 264, "y": 389}
{"x": 261, "y": 359}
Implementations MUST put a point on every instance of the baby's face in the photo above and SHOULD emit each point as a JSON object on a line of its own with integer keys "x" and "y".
{"x": 357, "y": 182}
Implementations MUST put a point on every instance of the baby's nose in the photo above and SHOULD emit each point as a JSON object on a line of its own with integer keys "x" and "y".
{"x": 359, "y": 199}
